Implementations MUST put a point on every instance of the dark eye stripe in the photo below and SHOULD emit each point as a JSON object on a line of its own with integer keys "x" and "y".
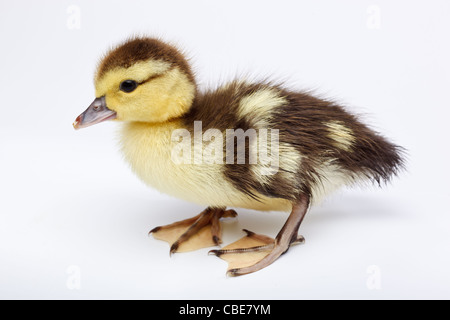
{"x": 156, "y": 76}
{"x": 131, "y": 85}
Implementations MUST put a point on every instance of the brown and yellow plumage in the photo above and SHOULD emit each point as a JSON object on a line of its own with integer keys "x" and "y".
{"x": 321, "y": 146}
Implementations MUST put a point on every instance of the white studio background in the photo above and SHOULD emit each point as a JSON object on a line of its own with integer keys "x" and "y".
{"x": 74, "y": 219}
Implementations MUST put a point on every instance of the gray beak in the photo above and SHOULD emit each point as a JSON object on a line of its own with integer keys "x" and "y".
{"x": 96, "y": 113}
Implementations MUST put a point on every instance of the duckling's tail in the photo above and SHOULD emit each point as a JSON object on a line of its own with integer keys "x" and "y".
{"x": 375, "y": 157}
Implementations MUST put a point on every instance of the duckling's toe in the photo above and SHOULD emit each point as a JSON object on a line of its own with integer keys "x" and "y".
{"x": 252, "y": 253}
{"x": 201, "y": 231}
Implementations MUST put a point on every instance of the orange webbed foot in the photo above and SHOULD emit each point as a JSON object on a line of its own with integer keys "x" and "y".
{"x": 201, "y": 231}
{"x": 252, "y": 253}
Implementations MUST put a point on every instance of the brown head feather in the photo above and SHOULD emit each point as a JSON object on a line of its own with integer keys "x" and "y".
{"x": 141, "y": 49}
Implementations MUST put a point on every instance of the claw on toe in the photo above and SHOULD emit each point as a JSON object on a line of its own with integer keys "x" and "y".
{"x": 251, "y": 253}
{"x": 245, "y": 252}
{"x": 201, "y": 231}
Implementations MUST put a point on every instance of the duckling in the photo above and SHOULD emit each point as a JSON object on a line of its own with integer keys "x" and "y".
{"x": 316, "y": 147}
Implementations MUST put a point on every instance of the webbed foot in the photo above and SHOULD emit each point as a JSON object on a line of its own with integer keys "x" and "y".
{"x": 249, "y": 254}
{"x": 255, "y": 252}
{"x": 201, "y": 231}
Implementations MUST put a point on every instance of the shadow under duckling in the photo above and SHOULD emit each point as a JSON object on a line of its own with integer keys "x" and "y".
{"x": 244, "y": 145}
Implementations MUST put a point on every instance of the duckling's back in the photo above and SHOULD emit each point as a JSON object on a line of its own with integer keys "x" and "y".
{"x": 321, "y": 146}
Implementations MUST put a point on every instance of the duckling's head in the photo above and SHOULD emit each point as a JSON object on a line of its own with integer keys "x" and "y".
{"x": 143, "y": 80}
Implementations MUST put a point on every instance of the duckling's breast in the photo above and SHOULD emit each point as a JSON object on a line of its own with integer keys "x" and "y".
{"x": 149, "y": 150}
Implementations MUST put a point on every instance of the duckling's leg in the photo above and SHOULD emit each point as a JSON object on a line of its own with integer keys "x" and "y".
{"x": 201, "y": 231}
{"x": 255, "y": 252}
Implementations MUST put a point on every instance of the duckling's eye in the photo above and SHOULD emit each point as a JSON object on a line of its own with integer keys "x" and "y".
{"x": 128, "y": 85}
